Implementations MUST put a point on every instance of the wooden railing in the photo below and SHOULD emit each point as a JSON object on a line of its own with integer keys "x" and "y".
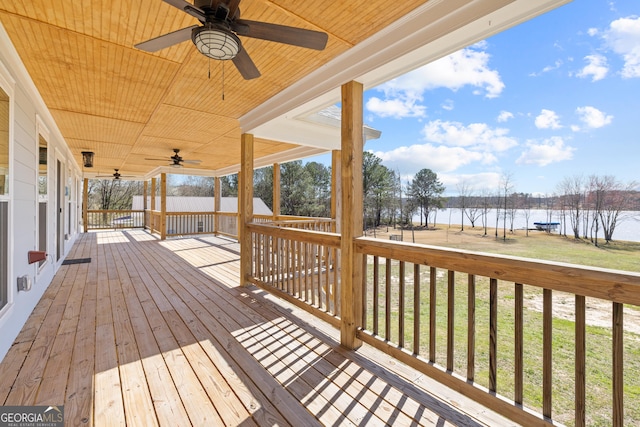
{"x": 188, "y": 223}
{"x": 228, "y": 224}
{"x": 299, "y": 265}
{"x": 114, "y": 219}
{"x": 299, "y": 222}
{"x": 489, "y": 326}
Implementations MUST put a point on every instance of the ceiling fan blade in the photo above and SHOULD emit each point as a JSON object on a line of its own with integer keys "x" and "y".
{"x": 245, "y": 65}
{"x": 192, "y": 162}
{"x": 166, "y": 40}
{"x": 158, "y": 160}
{"x": 192, "y": 10}
{"x": 280, "y": 33}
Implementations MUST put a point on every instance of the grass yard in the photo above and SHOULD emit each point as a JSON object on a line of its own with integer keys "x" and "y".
{"x": 617, "y": 255}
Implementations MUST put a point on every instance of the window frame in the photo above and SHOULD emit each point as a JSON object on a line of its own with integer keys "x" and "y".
{"x": 7, "y": 84}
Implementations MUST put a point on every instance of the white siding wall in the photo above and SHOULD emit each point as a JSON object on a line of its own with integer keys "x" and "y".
{"x": 23, "y": 204}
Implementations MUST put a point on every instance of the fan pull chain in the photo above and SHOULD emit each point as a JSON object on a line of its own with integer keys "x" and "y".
{"x": 222, "y": 80}
{"x": 209, "y": 62}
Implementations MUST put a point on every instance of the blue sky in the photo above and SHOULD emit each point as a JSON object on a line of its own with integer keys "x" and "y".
{"x": 554, "y": 97}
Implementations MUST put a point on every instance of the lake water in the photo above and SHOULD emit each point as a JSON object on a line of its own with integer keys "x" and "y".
{"x": 627, "y": 228}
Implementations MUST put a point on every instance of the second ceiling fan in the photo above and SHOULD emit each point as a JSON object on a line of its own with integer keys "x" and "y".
{"x": 177, "y": 161}
{"x": 217, "y": 37}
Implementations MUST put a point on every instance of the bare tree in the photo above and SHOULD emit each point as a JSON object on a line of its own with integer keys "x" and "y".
{"x": 526, "y": 209}
{"x": 612, "y": 198}
{"x": 485, "y": 207}
{"x": 572, "y": 190}
{"x": 506, "y": 186}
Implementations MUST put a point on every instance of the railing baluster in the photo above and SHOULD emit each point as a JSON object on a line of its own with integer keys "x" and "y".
{"x": 493, "y": 334}
{"x": 297, "y": 270}
{"x": 471, "y": 327}
{"x": 364, "y": 290}
{"x": 307, "y": 271}
{"x": 416, "y": 308}
{"x": 336, "y": 282}
{"x": 288, "y": 265}
{"x": 387, "y": 301}
{"x": 401, "y": 309}
{"x": 451, "y": 326}
{"x": 327, "y": 279}
{"x": 547, "y": 352}
{"x": 376, "y": 294}
{"x": 518, "y": 380}
{"x": 618, "y": 364}
{"x": 581, "y": 383}
{"x": 319, "y": 275}
{"x": 432, "y": 315}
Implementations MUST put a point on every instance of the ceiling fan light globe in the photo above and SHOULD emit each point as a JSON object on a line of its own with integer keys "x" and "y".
{"x": 215, "y": 43}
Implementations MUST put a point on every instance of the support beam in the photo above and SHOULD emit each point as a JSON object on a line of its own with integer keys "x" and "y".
{"x": 217, "y": 196}
{"x": 163, "y": 206}
{"x": 351, "y": 218}
{"x": 336, "y": 190}
{"x": 153, "y": 194}
{"x": 245, "y": 205}
{"x": 85, "y": 201}
{"x": 276, "y": 191}
{"x": 145, "y": 192}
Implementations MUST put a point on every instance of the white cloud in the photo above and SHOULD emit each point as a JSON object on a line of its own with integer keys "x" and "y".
{"x": 547, "y": 119}
{"x": 596, "y": 68}
{"x": 549, "y": 151}
{"x": 623, "y": 37}
{"x": 548, "y": 68}
{"x": 592, "y": 117}
{"x": 409, "y": 160}
{"x": 504, "y": 116}
{"x": 396, "y": 108}
{"x": 448, "y": 105}
{"x": 466, "y": 67}
{"x": 475, "y": 136}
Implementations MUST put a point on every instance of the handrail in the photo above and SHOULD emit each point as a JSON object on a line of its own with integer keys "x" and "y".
{"x": 301, "y": 266}
{"x": 98, "y": 219}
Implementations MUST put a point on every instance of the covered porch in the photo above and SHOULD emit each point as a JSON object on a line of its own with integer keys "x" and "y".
{"x": 139, "y": 331}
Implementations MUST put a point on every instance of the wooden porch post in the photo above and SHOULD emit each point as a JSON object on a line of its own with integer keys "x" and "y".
{"x": 276, "y": 191}
{"x": 145, "y": 191}
{"x": 245, "y": 205}
{"x": 351, "y": 218}
{"x": 153, "y": 196}
{"x": 163, "y": 206}
{"x": 336, "y": 190}
{"x": 217, "y": 199}
{"x": 85, "y": 200}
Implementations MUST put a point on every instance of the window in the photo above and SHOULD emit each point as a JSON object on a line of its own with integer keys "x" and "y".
{"x": 43, "y": 196}
{"x": 4, "y": 143}
{"x": 4, "y": 200}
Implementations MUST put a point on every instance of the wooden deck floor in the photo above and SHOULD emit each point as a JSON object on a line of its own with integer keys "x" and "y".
{"x": 158, "y": 333}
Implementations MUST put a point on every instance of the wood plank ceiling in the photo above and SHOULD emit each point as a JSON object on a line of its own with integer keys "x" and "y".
{"x": 127, "y": 105}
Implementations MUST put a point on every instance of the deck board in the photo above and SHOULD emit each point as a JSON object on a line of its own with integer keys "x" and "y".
{"x": 159, "y": 333}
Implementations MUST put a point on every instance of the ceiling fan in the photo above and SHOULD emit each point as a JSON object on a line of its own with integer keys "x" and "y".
{"x": 177, "y": 161}
{"x": 116, "y": 175}
{"x": 217, "y": 37}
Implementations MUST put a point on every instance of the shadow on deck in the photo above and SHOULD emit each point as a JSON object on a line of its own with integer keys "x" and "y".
{"x": 159, "y": 333}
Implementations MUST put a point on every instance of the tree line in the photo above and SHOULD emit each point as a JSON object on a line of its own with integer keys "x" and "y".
{"x": 584, "y": 206}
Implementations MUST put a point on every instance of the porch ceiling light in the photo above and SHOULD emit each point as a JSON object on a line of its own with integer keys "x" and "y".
{"x": 215, "y": 42}
{"x": 87, "y": 159}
